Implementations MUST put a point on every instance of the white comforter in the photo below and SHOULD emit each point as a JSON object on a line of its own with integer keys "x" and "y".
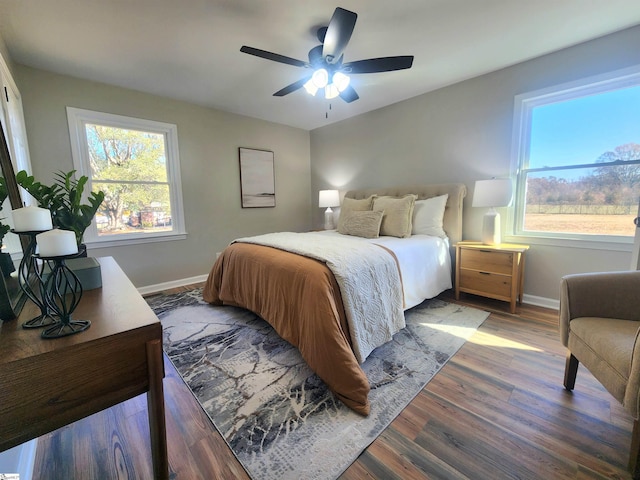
{"x": 425, "y": 264}
{"x": 368, "y": 278}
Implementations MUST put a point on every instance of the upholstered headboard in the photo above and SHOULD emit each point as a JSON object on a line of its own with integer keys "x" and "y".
{"x": 453, "y": 210}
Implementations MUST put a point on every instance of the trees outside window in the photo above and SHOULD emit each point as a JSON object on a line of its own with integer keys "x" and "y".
{"x": 135, "y": 163}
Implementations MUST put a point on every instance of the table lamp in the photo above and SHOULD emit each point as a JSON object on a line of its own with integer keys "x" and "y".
{"x": 328, "y": 199}
{"x": 492, "y": 193}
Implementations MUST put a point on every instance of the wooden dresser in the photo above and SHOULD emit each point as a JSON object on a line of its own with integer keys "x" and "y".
{"x": 46, "y": 384}
{"x": 494, "y": 271}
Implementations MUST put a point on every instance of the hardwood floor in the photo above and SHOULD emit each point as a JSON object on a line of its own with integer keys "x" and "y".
{"x": 496, "y": 410}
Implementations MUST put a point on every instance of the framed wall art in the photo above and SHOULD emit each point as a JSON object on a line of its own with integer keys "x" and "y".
{"x": 257, "y": 179}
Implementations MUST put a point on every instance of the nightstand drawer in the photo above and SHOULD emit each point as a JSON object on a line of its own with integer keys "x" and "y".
{"x": 485, "y": 283}
{"x": 487, "y": 260}
{"x": 494, "y": 271}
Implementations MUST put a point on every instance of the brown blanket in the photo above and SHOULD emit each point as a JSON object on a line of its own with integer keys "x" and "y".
{"x": 301, "y": 300}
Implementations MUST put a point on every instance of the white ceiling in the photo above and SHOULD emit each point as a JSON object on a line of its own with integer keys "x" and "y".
{"x": 190, "y": 49}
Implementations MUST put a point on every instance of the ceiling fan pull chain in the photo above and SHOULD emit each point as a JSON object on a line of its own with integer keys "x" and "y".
{"x": 326, "y": 113}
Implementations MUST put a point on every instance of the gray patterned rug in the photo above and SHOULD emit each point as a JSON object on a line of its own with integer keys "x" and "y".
{"x": 277, "y": 416}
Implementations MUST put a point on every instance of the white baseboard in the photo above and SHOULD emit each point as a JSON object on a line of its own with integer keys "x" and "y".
{"x": 158, "y": 287}
{"x": 541, "y": 301}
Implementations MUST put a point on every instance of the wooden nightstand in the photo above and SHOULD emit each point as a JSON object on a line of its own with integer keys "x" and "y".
{"x": 494, "y": 271}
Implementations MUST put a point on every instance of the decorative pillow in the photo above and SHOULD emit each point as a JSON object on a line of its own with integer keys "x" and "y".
{"x": 398, "y": 213}
{"x": 428, "y": 216}
{"x": 362, "y": 224}
{"x": 352, "y": 205}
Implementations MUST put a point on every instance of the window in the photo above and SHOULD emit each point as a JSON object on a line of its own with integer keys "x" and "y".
{"x": 12, "y": 120}
{"x": 135, "y": 163}
{"x": 577, "y": 158}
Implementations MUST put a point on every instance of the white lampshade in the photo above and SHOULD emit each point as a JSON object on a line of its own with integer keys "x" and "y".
{"x": 328, "y": 198}
{"x": 496, "y": 192}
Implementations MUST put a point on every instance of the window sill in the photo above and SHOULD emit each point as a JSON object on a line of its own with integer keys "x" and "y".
{"x": 623, "y": 245}
{"x": 118, "y": 242}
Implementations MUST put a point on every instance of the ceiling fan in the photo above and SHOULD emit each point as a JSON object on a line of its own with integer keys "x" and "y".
{"x": 325, "y": 61}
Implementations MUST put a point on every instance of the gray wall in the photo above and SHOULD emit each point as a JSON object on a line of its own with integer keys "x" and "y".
{"x": 5, "y": 55}
{"x": 462, "y": 133}
{"x": 208, "y": 141}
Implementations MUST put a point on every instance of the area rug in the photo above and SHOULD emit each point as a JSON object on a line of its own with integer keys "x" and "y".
{"x": 276, "y": 415}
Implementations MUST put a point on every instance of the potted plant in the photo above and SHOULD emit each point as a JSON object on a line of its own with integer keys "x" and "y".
{"x": 64, "y": 199}
{"x": 6, "y": 263}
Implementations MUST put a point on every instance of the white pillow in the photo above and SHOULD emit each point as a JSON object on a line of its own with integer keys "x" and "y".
{"x": 428, "y": 216}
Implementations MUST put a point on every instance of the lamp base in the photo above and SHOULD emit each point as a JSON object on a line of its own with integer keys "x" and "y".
{"x": 328, "y": 219}
{"x": 491, "y": 228}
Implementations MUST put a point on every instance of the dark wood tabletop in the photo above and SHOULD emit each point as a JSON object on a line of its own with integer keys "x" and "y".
{"x": 48, "y": 383}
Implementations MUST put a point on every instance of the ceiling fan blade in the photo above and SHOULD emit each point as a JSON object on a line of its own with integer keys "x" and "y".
{"x": 349, "y": 94}
{"x": 273, "y": 56}
{"x": 338, "y": 34}
{"x": 292, "y": 88}
{"x": 382, "y": 64}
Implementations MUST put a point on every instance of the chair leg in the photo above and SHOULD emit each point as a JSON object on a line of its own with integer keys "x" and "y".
{"x": 570, "y": 371}
{"x": 634, "y": 465}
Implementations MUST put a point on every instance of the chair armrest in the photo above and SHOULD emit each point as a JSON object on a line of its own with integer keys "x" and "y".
{"x": 631, "y": 400}
{"x": 604, "y": 295}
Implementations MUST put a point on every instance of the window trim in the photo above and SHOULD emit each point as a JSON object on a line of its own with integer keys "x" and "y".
{"x": 77, "y": 119}
{"x": 523, "y": 107}
{"x": 12, "y": 117}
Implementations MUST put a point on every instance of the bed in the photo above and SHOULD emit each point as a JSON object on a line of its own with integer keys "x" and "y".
{"x": 337, "y": 296}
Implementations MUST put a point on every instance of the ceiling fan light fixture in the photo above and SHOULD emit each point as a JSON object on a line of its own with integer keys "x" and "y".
{"x": 311, "y": 88}
{"x": 325, "y": 68}
{"x": 341, "y": 81}
{"x": 320, "y": 78}
{"x": 331, "y": 91}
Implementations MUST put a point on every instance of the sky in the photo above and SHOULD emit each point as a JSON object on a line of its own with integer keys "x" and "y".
{"x": 579, "y": 131}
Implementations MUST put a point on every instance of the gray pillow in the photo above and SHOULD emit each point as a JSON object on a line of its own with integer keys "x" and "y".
{"x": 352, "y": 205}
{"x": 362, "y": 224}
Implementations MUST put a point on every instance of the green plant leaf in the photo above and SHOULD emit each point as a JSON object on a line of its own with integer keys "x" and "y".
{"x": 64, "y": 199}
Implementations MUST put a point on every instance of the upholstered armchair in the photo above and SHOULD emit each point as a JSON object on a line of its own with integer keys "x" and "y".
{"x": 599, "y": 324}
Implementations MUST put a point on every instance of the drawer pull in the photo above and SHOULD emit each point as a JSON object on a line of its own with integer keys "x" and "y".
{"x": 484, "y": 273}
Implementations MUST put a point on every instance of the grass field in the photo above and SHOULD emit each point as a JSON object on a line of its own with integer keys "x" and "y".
{"x": 585, "y": 224}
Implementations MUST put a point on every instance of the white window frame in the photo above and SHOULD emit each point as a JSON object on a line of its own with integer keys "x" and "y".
{"x": 78, "y": 119}
{"x": 12, "y": 119}
{"x": 523, "y": 107}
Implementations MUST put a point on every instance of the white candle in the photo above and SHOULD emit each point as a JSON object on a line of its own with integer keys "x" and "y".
{"x": 31, "y": 219}
{"x": 57, "y": 243}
